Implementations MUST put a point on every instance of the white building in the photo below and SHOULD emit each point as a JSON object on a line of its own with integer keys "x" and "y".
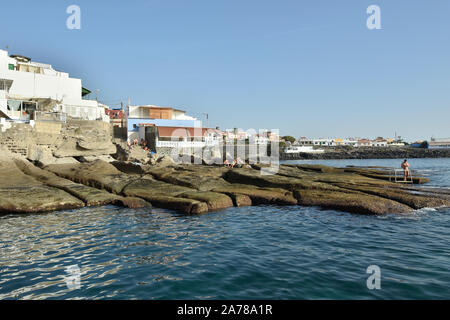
{"x": 350, "y": 142}
{"x": 157, "y": 112}
{"x": 179, "y": 137}
{"x": 302, "y": 149}
{"x": 27, "y": 86}
{"x": 148, "y": 115}
{"x": 323, "y": 142}
{"x": 378, "y": 143}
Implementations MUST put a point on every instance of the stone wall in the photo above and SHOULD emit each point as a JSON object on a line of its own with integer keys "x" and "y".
{"x": 48, "y": 127}
{"x": 45, "y": 141}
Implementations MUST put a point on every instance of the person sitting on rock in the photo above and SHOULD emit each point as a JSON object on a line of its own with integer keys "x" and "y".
{"x": 406, "y": 172}
{"x": 240, "y": 162}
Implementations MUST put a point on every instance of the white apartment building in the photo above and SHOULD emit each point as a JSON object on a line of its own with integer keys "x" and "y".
{"x": 29, "y": 88}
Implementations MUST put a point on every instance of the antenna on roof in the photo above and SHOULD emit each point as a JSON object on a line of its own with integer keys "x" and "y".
{"x": 207, "y": 119}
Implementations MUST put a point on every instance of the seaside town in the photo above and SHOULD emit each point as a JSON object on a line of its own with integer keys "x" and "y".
{"x": 35, "y": 96}
{"x": 227, "y": 158}
{"x": 51, "y": 131}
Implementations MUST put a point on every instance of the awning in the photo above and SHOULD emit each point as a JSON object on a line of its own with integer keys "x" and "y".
{"x": 181, "y": 132}
{"x": 85, "y": 91}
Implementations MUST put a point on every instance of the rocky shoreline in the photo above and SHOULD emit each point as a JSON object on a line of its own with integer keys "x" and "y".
{"x": 369, "y": 153}
{"x": 198, "y": 189}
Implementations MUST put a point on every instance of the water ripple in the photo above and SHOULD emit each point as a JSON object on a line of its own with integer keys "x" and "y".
{"x": 263, "y": 252}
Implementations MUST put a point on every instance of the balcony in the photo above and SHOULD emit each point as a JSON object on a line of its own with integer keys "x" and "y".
{"x": 19, "y": 109}
{"x": 5, "y": 85}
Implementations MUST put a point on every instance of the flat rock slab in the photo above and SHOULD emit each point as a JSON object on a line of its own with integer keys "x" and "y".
{"x": 196, "y": 189}
{"x": 258, "y": 195}
{"x": 21, "y": 193}
{"x": 98, "y": 174}
{"x": 166, "y": 195}
{"x": 354, "y": 202}
{"x": 198, "y": 177}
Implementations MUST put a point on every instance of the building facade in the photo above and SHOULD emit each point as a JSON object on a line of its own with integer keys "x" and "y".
{"x": 141, "y": 116}
{"x": 29, "y": 89}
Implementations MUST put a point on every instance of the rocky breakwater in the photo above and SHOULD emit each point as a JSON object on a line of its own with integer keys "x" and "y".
{"x": 369, "y": 153}
{"x": 196, "y": 189}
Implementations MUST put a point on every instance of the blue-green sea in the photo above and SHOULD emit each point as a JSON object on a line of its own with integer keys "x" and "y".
{"x": 262, "y": 252}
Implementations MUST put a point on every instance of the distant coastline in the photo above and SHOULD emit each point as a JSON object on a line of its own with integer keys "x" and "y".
{"x": 337, "y": 153}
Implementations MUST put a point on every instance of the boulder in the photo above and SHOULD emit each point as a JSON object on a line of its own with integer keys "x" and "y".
{"x": 165, "y": 161}
{"x": 73, "y": 147}
{"x": 134, "y": 203}
{"x": 214, "y": 200}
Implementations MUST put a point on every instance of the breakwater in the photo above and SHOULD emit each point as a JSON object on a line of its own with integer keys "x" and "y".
{"x": 369, "y": 153}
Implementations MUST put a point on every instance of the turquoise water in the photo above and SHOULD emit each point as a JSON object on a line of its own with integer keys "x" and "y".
{"x": 264, "y": 252}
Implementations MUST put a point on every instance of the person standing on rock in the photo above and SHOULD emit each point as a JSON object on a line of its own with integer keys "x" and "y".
{"x": 405, "y": 167}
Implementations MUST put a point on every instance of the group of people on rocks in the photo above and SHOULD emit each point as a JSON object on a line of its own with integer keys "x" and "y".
{"x": 135, "y": 142}
{"x": 236, "y": 162}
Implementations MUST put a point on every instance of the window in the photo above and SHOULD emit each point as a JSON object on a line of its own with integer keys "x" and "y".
{"x": 14, "y": 105}
{"x": 10, "y": 66}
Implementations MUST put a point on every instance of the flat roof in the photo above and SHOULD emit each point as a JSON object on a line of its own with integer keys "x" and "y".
{"x": 185, "y": 132}
{"x": 158, "y": 107}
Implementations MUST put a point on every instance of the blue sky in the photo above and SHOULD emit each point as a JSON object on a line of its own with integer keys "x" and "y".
{"x": 309, "y": 68}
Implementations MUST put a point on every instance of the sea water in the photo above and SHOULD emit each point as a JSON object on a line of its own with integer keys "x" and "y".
{"x": 261, "y": 252}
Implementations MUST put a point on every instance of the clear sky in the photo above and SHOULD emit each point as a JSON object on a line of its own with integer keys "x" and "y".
{"x": 309, "y": 68}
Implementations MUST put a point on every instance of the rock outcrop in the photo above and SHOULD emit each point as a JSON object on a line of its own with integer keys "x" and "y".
{"x": 369, "y": 153}
{"x": 197, "y": 189}
{"x": 21, "y": 193}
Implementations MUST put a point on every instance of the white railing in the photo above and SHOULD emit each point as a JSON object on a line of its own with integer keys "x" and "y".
{"x": 180, "y": 144}
{"x": 50, "y": 116}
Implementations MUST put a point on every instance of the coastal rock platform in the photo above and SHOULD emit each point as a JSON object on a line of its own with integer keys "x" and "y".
{"x": 197, "y": 189}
